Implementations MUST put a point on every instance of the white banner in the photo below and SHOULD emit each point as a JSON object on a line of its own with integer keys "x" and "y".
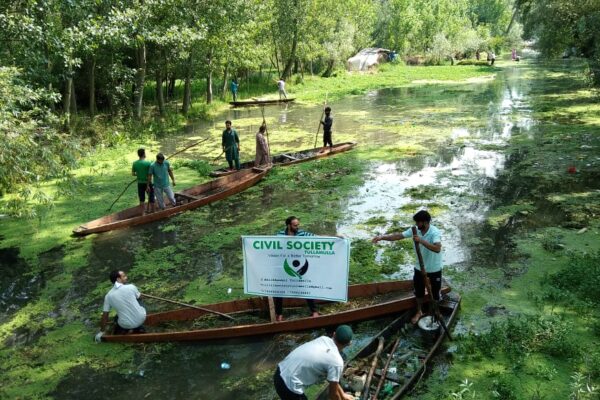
{"x": 309, "y": 267}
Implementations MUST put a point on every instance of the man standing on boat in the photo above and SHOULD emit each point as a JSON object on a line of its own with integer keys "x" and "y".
{"x": 160, "y": 171}
{"x": 234, "y": 88}
{"x": 327, "y": 123}
{"x": 310, "y": 363}
{"x": 281, "y": 88}
{"x": 140, "y": 169}
{"x": 123, "y": 298}
{"x": 430, "y": 240}
{"x": 263, "y": 156}
{"x": 230, "y": 141}
{"x": 292, "y": 228}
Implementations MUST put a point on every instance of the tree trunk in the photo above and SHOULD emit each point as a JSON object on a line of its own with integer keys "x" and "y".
{"x": 140, "y": 77}
{"x": 290, "y": 62}
{"x": 73, "y": 104}
{"x": 160, "y": 98}
{"x": 67, "y": 102}
{"x": 92, "y": 88}
{"x": 187, "y": 89}
{"x": 329, "y": 69}
{"x": 171, "y": 84}
{"x": 225, "y": 78}
{"x": 209, "y": 91}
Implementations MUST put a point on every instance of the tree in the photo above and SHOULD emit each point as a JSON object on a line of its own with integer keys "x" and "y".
{"x": 31, "y": 149}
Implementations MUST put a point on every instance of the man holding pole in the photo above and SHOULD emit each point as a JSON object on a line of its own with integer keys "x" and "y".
{"x": 160, "y": 171}
{"x": 230, "y": 141}
{"x": 429, "y": 239}
{"x": 140, "y": 169}
{"x": 327, "y": 122}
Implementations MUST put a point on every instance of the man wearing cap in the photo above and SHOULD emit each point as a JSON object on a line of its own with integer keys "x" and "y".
{"x": 310, "y": 363}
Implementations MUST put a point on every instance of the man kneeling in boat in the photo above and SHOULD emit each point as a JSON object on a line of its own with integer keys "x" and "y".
{"x": 311, "y": 362}
{"x": 124, "y": 299}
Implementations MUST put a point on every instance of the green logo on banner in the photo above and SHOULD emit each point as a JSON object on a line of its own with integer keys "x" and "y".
{"x": 295, "y": 272}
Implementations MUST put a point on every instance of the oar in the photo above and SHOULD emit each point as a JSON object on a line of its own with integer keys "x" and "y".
{"x": 187, "y": 305}
{"x": 262, "y": 109}
{"x": 434, "y": 304}
{"x": 172, "y": 155}
{"x": 320, "y": 119}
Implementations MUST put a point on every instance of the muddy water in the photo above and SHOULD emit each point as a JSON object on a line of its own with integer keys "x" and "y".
{"x": 458, "y": 177}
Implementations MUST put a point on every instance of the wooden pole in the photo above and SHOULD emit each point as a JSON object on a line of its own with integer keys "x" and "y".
{"x": 187, "y": 305}
{"x": 320, "y": 119}
{"x": 365, "y": 392}
{"x": 385, "y": 368}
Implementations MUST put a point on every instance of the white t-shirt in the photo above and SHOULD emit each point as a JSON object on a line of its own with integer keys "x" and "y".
{"x": 281, "y": 84}
{"x": 310, "y": 363}
{"x": 123, "y": 298}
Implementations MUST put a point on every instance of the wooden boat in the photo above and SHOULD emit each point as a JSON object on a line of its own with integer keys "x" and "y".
{"x": 294, "y": 157}
{"x": 378, "y": 299}
{"x": 260, "y": 102}
{"x": 409, "y": 358}
{"x": 187, "y": 199}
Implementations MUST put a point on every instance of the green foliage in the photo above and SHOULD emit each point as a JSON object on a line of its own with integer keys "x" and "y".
{"x": 578, "y": 277}
{"x": 31, "y": 149}
{"x": 563, "y": 26}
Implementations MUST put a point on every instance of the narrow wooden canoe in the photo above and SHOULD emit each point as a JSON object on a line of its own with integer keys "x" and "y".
{"x": 414, "y": 352}
{"x": 187, "y": 199}
{"x": 294, "y": 157}
{"x": 383, "y": 298}
{"x": 260, "y": 102}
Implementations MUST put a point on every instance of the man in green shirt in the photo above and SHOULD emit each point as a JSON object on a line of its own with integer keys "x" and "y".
{"x": 160, "y": 171}
{"x": 231, "y": 146}
{"x": 140, "y": 170}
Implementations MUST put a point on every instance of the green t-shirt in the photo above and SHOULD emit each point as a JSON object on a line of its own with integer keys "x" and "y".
{"x": 140, "y": 167}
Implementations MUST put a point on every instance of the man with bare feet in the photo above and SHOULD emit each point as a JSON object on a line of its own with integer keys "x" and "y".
{"x": 430, "y": 240}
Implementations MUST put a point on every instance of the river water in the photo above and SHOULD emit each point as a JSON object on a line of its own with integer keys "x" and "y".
{"x": 481, "y": 116}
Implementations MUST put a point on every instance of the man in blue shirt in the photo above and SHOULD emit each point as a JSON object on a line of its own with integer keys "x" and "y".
{"x": 292, "y": 228}
{"x": 234, "y": 89}
{"x": 159, "y": 172}
{"x": 430, "y": 240}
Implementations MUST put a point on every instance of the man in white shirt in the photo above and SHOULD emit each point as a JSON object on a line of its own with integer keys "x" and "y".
{"x": 124, "y": 299}
{"x": 281, "y": 87}
{"x": 310, "y": 363}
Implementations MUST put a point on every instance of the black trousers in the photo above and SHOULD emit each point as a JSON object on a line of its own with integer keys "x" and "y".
{"x": 279, "y": 305}
{"x": 436, "y": 284}
{"x": 327, "y": 139}
{"x": 282, "y": 390}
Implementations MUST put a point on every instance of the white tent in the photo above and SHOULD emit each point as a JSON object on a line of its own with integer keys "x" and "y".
{"x": 367, "y": 58}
